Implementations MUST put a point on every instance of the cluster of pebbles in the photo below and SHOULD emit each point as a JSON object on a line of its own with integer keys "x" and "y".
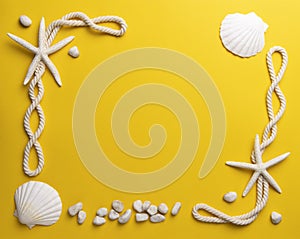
{"x": 144, "y": 211}
{"x": 77, "y": 210}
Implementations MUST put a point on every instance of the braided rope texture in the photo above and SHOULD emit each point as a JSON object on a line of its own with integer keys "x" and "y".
{"x": 269, "y": 135}
{"x": 74, "y": 19}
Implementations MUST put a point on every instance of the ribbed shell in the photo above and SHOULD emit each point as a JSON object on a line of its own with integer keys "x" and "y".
{"x": 37, "y": 203}
{"x": 243, "y": 34}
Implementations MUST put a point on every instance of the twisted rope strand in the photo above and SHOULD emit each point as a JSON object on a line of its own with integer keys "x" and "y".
{"x": 74, "y": 19}
{"x": 269, "y": 136}
{"x": 33, "y": 137}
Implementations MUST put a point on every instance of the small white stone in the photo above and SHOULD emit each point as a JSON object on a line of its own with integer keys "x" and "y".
{"x": 176, "y": 208}
{"x": 117, "y": 205}
{"x": 98, "y": 221}
{"x": 81, "y": 217}
{"x": 141, "y": 217}
{"x": 276, "y": 217}
{"x": 125, "y": 217}
{"x": 152, "y": 210}
{"x": 157, "y": 218}
{"x": 146, "y": 205}
{"x": 113, "y": 215}
{"x": 230, "y": 197}
{"x": 73, "y": 210}
{"x": 74, "y": 52}
{"x": 138, "y": 206}
{"x": 25, "y": 21}
{"x": 163, "y": 208}
{"x": 102, "y": 212}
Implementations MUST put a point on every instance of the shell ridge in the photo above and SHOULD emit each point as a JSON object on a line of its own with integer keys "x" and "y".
{"x": 45, "y": 201}
{"x": 37, "y": 203}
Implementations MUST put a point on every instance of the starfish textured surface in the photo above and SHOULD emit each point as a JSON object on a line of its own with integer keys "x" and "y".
{"x": 259, "y": 167}
{"x": 41, "y": 52}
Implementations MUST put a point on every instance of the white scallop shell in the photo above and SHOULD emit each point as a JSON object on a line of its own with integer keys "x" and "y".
{"x": 37, "y": 203}
{"x": 243, "y": 34}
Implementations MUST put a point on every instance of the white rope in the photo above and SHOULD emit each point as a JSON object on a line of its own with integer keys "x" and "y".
{"x": 74, "y": 19}
{"x": 269, "y": 135}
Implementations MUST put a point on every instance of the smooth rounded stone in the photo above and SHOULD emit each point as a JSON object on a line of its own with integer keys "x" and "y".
{"x": 176, "y": 208}
{"x": 157, "y": 218}
{"x": 141, "y": 217}
{"x": 25, "y": 21}
{"x": 98, "y": 221}
{"x": 81, "y": 217}
{"x": 146, "y": 205}
{"x": 152, "y": 210}
{"x": 74, "y": 52}
{"x": 230, "y": 197}
{"x": 163, "y": 208}
{"x": 113, "y": 215}
{"x": 117, "y": 205}
{"x": 102, "y": 212}
{"x": 124, "y": 218}
{"x": 138, "y": 206}
{"x": 73, "y": 210}
{"x": 276, "y": 217}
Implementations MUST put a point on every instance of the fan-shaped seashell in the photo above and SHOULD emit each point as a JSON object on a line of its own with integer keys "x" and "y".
{"x": 37, "y": 203}
{"x": 243, "y": 34}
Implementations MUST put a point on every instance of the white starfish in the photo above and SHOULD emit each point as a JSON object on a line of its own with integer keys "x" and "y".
{"x": 41, "y": 52}
{"x": 259, "y": 167}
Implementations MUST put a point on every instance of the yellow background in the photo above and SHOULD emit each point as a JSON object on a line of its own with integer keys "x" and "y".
{"x": 190, "y": 27}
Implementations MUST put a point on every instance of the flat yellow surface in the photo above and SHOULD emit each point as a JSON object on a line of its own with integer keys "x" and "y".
{"x": 192, "y": 28}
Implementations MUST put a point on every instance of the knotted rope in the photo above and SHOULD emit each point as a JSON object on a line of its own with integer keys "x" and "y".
{"x": 269, "y": 135}
{"x": 74, "y": 19}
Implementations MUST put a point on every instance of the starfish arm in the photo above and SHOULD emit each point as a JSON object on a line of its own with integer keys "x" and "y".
{"x": 59, "y": 45}
{"x": 257, "y": 151}
{"x": 23, "y": 43}
{"x": 52, "y": 69}
{"x": 276, "y": 160}
{"x": 251, "y": 183}
{"x": 241, "y": 165}
{"x": 32, "y": 68}
{"x": 271, "y": 181}
{"x": 42, "y": 39}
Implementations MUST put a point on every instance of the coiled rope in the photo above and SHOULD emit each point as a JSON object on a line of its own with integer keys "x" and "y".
{"x": 269, "y": 136}
{"x": 74, "y": 19}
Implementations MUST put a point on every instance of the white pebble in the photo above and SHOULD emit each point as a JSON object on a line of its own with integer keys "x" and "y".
{"x": 276, "y": 218}
{"x": 117, "y": 205}
{"x": 141, "y": 217}
{"x": 25, "y": 21}
{"x": 98, "y": 221}
{"x": 230, "y": 197}
{"x": 157, "y": 218}
{"x": 113, "y": 215}
{"x": 74, "y": 52}
{"x": 163, "y": 208}
{"x": 152, "y": 210}
{"x": 102, "y": 212}
{"x": 125, "y": 217}
{"x": 176, "y": 208}
{"x": 138, "y": 206}
{"x": 81, "y": 217}
{"x": 73, "y": 210}
{"x": 146, "y": 205}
